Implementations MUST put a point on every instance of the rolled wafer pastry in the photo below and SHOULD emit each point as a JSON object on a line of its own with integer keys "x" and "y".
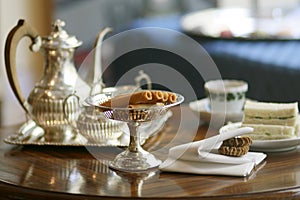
{"x": 169, "y": 97}
{"x": 157, "y": 96}
{"x": 172, "y": 97}
{"x": 122, "y": 101}
{"x": 165, "y": 96}
{"x": 137, "y": 106}
{"x": 141, "y": 97}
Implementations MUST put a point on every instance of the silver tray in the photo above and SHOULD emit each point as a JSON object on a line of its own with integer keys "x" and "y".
{"x": 31, "y": 134}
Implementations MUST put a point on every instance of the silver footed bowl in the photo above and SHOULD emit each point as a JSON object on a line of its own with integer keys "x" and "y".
{"x": 134, "y": 159}
{"x": 130, "y": 115}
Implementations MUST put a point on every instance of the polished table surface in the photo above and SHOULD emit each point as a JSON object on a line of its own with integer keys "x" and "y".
{"x": 52, "y": 172}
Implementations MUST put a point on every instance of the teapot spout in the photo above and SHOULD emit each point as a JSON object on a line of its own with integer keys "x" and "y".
{"x": 97, "y": 83}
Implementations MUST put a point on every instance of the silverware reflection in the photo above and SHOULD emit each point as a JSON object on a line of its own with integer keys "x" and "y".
{"x": 136, "y": 180}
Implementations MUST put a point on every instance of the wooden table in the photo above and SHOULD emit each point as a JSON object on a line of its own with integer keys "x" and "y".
{"x": 34, "y": 172}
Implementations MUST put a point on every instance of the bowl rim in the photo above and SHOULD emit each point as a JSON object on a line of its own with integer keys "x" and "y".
{"x": 91, "y": 101}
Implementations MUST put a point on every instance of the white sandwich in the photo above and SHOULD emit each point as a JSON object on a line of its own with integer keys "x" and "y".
{"x": 270, "y": 113}
{"x": 271, "y": 132}
{"x": 271, "y": 121}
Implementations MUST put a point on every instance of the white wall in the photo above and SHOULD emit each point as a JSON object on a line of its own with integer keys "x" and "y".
{"x": 29, "y": 65}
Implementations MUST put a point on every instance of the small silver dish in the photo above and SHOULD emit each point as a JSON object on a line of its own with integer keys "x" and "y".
{"x": 98, "y": 129}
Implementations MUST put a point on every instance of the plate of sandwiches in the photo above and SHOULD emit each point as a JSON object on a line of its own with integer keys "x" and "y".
{"x": 202, "y": 108}
{"x": 275, "y": 125}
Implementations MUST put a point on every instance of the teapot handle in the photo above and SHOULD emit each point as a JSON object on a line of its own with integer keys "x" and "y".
{"x": 21, "y": 30}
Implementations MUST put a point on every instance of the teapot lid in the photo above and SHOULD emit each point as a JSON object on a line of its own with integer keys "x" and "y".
{"x": 59, "y": 38}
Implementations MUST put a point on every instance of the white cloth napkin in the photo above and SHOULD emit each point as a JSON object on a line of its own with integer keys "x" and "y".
{"x": 202, "y": 157}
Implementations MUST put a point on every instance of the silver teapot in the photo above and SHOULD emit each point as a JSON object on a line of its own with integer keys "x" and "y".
{"x": 45, "y": 102}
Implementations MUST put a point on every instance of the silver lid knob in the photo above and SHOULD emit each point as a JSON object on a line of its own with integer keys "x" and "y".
{"x": 59, "y": 38}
